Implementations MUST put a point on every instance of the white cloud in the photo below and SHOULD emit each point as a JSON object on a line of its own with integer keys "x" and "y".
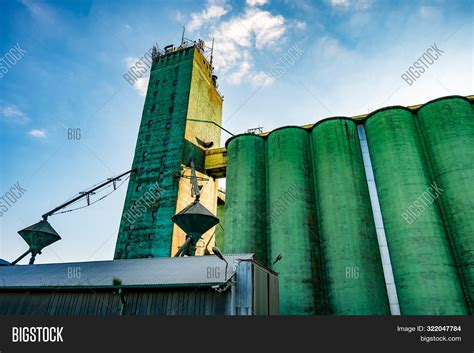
{"x": 374, "y": 79}
{"x": 214, "y": 11}
{"x": 299, "y": 24}
{"x": 256, "y": 2}
{"x": 37, "y": 133}
{"x": 239, "y": 37}
{"x": 12, "y": 114}
{"x": 243, "y": 69}
{"x": 180, "y": 17}
{"x": 356, "y": 4}
{"x": 332, "y": 52}
{"x": 131, "y": 61}
{"x": 262, "y": 79}
{"x": 140, "y": 84}
{"x": 268, "y": 29}
{"x": 255, "y": 26}
{"x": 343, "y": 3}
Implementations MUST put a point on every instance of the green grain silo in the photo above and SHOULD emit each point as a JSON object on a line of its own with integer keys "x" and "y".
{"x": 291, "y": 219}
{"x": 245, "y": 208}
{"x": 424, "y": 271}
{"x": 353, "y": 275}
{"x": 447, "y": 129}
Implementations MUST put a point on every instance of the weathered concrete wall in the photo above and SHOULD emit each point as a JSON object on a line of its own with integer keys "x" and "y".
{"x": 180, "y": 88}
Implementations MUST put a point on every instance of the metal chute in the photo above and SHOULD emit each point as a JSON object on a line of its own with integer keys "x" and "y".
{"x": 42, "y": 234}
{"x": 195, "y": 219}
{"x": 37, "y": 236}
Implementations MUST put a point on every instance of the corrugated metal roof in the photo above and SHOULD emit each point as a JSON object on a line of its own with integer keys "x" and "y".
{"x": 169, "y": 271}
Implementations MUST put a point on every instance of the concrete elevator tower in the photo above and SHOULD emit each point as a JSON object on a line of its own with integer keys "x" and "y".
{"x": 181, "y": 94}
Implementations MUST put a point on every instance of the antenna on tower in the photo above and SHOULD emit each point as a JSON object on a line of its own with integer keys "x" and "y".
{"x": 182, "y": 36}
{"x": 212, "y": 51}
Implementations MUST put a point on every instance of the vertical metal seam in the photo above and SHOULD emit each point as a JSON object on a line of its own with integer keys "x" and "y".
{"x": 378, "y": 221}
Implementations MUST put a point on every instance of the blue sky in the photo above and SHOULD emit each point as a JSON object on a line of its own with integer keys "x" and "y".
{"x": 73, "y": 55}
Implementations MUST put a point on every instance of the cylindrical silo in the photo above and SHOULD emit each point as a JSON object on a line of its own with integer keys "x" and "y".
{"x": 447, "y": 129}
{"x": 291, "y": 219}
{"x": 353, "y": 274}
{"x": 425, "y": 276}
{"x": 245, "y": 206}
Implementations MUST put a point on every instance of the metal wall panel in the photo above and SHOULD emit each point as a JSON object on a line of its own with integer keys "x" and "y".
{"x": 274, "y": 297}
{"x": 260, "y": 291}
{"x": 189, "y": 301}
{"x": 243, "y": 289}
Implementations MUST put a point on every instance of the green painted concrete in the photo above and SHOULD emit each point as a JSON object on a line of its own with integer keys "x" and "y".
{"x": 425, "y": 275}
{"x": 447, "y": 130}
{"x": 353, "y": 274}
{"x": 317, "y": 215}
{"x": 291, "y": 220}
{"x": 245, "y": 208}
{"x": 220, "y": 230}
{"x": 176, "y": 92}
{"x": 331, "y": 262}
